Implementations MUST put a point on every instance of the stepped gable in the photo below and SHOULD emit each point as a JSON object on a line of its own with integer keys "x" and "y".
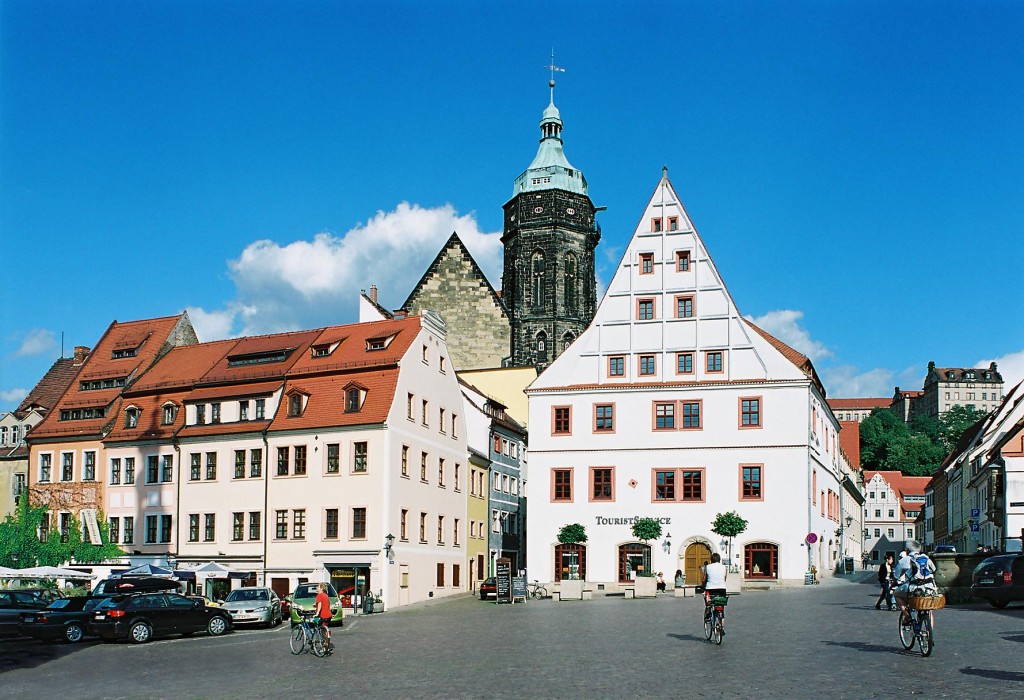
{"x": 667, "y": 299}
{"x": 121, "y": 356}
{"x": 475, "y": 316}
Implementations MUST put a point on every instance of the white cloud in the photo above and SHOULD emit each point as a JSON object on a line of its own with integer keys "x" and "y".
{"x": 311, "y": 283}
{"x": 785, "y": 325}
{"x": 1011, "y": 366}
{"x": 844, "y": 381}
{"x": 13, "y": 395}
{"x": 37, "y": 341}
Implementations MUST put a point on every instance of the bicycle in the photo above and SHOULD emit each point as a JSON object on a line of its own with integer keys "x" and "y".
{"x": 537, "y": 590}
{"x": 308, "y": 634}
{"x": 714, "y": 617}
{"x": 916, "y": 622}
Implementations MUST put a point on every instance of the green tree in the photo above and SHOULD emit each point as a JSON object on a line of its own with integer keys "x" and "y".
{"x": 954, "y": 422}
{"x": 646, "y": 529}
{"x": 728, "y": 525}
{"x": 20, "y": 546}
{"x": 572, "y": 534}
{"x": 879, "y": 432}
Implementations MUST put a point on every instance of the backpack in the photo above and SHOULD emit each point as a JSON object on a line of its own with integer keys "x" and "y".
{"x": 920, "y": 567}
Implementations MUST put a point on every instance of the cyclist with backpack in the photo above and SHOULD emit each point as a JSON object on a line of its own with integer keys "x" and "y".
{"x": 914, "y": 574}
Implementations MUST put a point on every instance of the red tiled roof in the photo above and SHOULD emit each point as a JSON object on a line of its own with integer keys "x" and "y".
{"x": 801, "y": 361}
{"x": 102, "y": 363}
{"x": 836, "y": 404}
{"x": 849, "y": 441}
{"x": 47, "y": 392}
{"x": 232, "y": 391}
{"x": 296, "y": 343}
{"x": 150, "y": 425}
{"x": 326, "y": 404}
{"x": 245, "y": 426}
{"x": 182, "y": 366}
{"x": 352, "y": 354}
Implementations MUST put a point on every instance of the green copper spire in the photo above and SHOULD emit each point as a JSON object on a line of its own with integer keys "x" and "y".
{"x": 550, "y": 170}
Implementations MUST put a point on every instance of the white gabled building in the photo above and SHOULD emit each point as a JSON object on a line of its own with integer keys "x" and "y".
{"x": 673, "y": 406}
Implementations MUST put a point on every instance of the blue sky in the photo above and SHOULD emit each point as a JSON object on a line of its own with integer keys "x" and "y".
{"x": 854, "y": 168}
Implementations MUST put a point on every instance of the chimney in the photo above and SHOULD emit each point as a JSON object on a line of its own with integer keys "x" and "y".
{"x": 373, "y": 293}
{"x": 81, "y": 353}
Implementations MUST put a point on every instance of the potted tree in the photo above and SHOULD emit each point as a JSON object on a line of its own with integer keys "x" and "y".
{"x": 645, "y": 529}
{"x": 730, "y": 525}
{"x": 571, "y": 585}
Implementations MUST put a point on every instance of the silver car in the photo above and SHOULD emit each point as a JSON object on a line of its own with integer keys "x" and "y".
{"x": 259, "y": 606}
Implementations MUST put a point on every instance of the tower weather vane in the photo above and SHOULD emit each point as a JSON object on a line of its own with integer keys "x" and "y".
{"x": 552, "y": 67}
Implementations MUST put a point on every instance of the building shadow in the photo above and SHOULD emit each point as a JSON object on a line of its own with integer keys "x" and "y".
{"x": 29, "y": 653}
{"x": 1013, "y": 636}
{"x": 994, "y": 674}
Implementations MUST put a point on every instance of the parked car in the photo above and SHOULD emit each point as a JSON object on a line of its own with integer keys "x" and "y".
{"x": 136, "y": 584}
{"x": 304, "y": 598}
{"x": 945, "y": 549}
{"x": 489, "y": 588}
{"x": 139, "y": 617}
{"x": 15, "y": 601}
{"x": 65, "y": 619}
{"x": 260, "y": 606}
{"x": 999, "y": 579}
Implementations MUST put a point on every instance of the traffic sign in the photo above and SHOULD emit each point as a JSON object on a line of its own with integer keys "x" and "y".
{"x": 975, "y": 527}
{"x": 975, "y": 512}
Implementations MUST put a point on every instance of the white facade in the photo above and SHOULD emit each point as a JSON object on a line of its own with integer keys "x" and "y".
{"x": 615, "y": 431}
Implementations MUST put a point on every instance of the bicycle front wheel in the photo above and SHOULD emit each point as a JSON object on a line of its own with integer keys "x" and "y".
{"x": 298, "y": 640}
{"x": 924, "y": 637}
{"x": 540, "y": 593}
{"x": 318, "y": 644}
{"x": 906, "y": 624}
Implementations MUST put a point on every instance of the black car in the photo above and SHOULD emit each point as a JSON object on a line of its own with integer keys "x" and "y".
{"x": 136, "y": 584}
{"x": 140, "y": 617}
{"x": 64, "y": 619}
{"x": 999, "y": 579}
{"x": 15, "y": 601}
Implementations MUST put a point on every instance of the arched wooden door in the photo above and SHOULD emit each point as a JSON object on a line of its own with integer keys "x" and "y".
{"x": 697, "y": 555}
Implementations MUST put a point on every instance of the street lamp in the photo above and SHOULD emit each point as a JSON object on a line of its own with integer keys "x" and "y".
{"x": 389, "y": 541}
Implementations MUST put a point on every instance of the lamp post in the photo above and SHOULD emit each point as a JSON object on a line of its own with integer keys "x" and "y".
{"x": 389, "y": 551}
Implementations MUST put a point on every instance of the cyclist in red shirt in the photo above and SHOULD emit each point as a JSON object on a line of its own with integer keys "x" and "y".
{"x": 322, "y": 608}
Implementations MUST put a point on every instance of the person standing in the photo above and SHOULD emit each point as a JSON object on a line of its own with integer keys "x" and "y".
{"x": 884, "y": 580}
{"x": 322, "y": 609}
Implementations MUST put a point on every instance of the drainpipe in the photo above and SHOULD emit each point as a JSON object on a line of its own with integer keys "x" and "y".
{"x": 266, "y": 500}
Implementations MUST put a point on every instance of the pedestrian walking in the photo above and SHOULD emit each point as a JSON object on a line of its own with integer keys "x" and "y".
{"x": 885, "y": 581}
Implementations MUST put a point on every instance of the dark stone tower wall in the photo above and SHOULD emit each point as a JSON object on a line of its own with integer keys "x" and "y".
{"x": 559, "y": 226}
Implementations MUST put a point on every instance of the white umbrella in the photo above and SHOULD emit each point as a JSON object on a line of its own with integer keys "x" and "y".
{"x": 212, "y": 568}
{"x": 52, "y": 572}
{"x": 8, "y": 573}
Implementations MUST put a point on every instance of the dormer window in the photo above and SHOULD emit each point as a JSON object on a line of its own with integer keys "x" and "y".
{"x": 170, "y": 412}
{"x": 259, "y": 358}
{"x": 124, "y": 352}
{"x": 323, "y": 349}
{"x": 380, "y": 343}
{"x": 200, "y": 414}
{"x": 354, "y": 399}
{"x": 295, "y": 405}
{"x": 949, "y": 375}
{"x": 131, "y": 417}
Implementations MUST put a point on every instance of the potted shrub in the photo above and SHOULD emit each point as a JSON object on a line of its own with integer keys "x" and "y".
{"x": 646, "y": 585}
{"x": 571, "y": 586}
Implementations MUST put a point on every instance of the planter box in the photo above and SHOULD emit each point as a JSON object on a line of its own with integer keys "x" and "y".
{"x": 646, "y": 586}
{"x": 570, "y": 589}
{"x": 378, "y": 607}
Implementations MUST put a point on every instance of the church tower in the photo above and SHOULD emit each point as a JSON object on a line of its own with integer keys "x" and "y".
{"x": 548, "y": 283}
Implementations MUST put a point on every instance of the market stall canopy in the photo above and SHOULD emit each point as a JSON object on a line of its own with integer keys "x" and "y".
{"x": 52, "y": 572}
{"x": 214, "y": 570}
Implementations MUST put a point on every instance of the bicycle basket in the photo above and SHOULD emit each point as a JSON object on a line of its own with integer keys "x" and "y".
{"x": 927, "y": 602}
{"x": 719, "y": 600}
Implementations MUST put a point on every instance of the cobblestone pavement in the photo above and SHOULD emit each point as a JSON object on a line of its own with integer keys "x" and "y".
{"x": 821, "y": 641}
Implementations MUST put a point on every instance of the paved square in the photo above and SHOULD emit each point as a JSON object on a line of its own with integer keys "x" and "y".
{"x": 825, "y": 641}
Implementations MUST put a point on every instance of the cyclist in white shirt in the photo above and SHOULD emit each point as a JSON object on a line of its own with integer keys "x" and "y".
{"x": 715, "y": 574}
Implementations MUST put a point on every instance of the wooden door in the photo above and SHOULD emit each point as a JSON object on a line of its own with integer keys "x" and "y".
{"x": 697, "y": 555}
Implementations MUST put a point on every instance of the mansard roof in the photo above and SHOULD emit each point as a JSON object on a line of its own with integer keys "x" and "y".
{"x": 454, "y": 245}
{"x": 125, "y": 351}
